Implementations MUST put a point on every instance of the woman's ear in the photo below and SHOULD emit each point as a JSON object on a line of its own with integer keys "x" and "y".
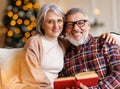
{"x": 42, "y": 26}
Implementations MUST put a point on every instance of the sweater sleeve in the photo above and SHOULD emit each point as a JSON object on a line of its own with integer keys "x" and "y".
{"x": 31, "y": 72}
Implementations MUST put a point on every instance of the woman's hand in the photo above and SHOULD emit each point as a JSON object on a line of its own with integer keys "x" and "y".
{"x": 73, "y": 88}
{"x": 109, "y": 38}
{"x": 82, "y": 86}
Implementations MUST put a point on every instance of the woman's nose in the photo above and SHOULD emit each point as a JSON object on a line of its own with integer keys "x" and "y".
{"x": 56, "y": 24}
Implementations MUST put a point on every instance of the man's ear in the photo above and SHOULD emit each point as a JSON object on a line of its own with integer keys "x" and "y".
{"x": 89, "y": 25}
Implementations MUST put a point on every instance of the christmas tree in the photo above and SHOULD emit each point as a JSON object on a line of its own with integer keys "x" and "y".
{"x": 20, "y": 22}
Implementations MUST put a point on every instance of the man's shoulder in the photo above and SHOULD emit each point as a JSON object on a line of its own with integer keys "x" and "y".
{"x": 100, "y": 39}
{"x": 97, "y": 41}
{"x": 102, "y": 42}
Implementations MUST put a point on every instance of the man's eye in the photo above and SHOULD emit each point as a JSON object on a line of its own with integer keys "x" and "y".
{"x": 80, "y": 22}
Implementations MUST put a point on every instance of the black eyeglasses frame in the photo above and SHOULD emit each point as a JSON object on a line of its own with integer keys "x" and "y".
{"x": 73, "y": 23}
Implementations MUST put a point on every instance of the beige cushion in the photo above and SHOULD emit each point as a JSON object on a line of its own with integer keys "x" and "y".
{"x": 117, "y": 37}
{"x": 9, "y": 64}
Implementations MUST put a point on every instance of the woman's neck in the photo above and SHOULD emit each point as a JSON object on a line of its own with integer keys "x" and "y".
{"x": 50, "y": 39}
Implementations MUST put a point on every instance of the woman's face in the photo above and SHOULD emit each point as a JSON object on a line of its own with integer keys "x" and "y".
{"x": 53, "y": 24}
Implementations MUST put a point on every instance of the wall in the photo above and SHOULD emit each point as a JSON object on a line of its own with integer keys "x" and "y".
{"x": 110, "y": 12}
{"x": 2, "y": 8}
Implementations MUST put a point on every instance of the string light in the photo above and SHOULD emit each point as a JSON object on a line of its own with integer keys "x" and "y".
{"x": 26, "y": 22}
{"x": 13, "y": 23}
{"x": 10, "y": 33}
{"x": 20, "y": 23}
{"x": 10, "y": 13}
{"x": 15, "y": 16}
{"x": 18, "y": 3}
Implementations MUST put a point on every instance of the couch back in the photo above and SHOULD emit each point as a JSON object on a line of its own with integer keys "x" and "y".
{"x": 117, "y": 37}
{"x": 9, "y": 64}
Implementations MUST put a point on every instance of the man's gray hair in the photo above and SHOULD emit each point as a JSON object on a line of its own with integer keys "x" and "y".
{"x": 42, "y": 15}
{"x": 75, "y": 10}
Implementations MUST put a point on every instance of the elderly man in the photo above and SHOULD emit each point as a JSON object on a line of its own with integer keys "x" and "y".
{"x": 87, "y": 53}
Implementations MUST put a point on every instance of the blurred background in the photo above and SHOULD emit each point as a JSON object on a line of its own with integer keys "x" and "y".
{"x": 18, "y": 17}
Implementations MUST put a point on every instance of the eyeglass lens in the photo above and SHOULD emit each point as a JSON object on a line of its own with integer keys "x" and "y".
{"x": 80, "y": 23}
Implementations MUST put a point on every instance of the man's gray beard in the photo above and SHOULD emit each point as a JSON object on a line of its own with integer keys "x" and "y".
{"x": 83, "y": 40}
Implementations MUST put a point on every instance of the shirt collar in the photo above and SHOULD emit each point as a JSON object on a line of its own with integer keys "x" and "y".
{"x": 88, "y": 42}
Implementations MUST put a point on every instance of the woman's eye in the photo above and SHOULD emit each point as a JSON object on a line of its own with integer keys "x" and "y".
{"x": 50, "y": 22}
{"x": 60, "y": 21}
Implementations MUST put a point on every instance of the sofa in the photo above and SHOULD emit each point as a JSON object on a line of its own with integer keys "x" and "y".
{"x": 10, "y": 60}
{"x": 117, "y": 37}
{"x": 9, "y": 65}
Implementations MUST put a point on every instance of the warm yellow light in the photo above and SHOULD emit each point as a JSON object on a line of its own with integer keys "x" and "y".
{"x": 15, "y": 16}
{"x": 33, "y": 24}
{"x": 29, "y": 27}
{"x": 25, "y": 7}
{"x": 97, "y": 11}
{"x": 24, "y": 39}
{"x": 10, "y": 13}
{"x": 18, "y": 3}
{"x": 17, "y": 30}
{"x": 29, "y": 5}
{"x": 10, "y": 33}
{"x": 27, "y": 34}
{"x": 19, "y": 21}
{"x": 36, "y": 6}
{"x": 26, "y": 22}
{"x": 13, "y": 23}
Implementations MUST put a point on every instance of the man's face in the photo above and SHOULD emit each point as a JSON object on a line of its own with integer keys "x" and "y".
{"x": 76, "y": 26}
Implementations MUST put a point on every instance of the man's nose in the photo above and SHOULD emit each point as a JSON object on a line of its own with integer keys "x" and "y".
{"x": 76, "y": 26}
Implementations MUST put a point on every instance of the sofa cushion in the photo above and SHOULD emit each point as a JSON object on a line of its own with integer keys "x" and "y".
{"x": 117, "y": 37}
{"x": 9, "y": 64}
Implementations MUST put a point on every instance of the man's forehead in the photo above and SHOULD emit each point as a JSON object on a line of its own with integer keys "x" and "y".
{"x": 75, "y": 17}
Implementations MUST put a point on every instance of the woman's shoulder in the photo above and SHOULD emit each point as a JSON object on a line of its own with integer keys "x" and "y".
{"x": 34, "y": 40}
{"x": 35, "y": 37}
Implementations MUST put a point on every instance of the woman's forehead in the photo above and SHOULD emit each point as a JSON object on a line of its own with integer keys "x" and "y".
{"x": 52, "y": 14}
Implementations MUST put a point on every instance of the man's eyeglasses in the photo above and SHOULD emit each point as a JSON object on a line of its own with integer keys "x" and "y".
{"x": 80, "y": 23}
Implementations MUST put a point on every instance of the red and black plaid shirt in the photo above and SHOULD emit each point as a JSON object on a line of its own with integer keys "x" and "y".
{"x": 96, "y": 55}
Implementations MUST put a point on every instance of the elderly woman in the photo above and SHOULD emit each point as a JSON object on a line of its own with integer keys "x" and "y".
{"x": 44, "y": 52}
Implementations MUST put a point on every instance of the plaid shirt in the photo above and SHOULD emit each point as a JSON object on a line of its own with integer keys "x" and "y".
{"x": 96, "y": 55}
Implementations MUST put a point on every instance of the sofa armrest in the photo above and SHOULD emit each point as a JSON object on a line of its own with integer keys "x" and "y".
{"x": 9, "y": 64}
